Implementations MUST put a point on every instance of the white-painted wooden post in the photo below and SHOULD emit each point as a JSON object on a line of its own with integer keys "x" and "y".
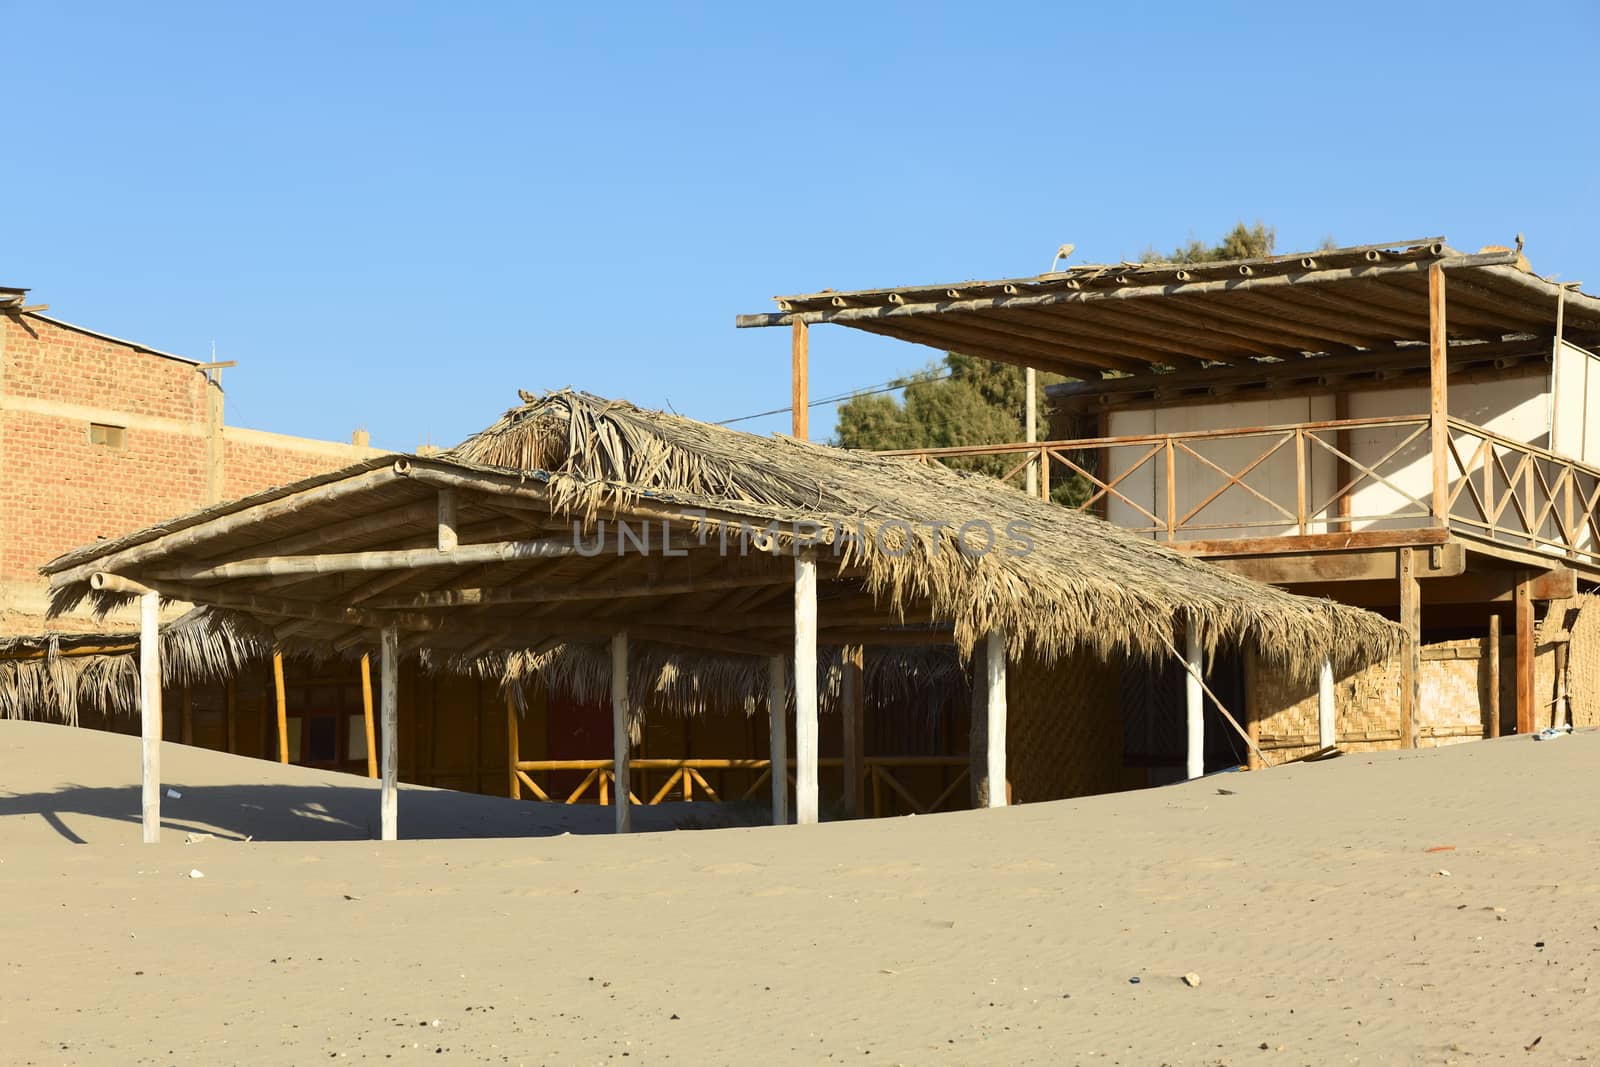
{"x": 389, "y": 686}
{"x": 805, "y": 690}
{"x": 778, "y": 724}
{"x": 1194, "y": 702}
{"x": 620, "y": 725}
{"x": 995, "y": 672}
{"x": 1327, "y": 715}
{"x": 150, "y": 715}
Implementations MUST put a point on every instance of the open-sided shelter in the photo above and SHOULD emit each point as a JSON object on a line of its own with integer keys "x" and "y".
{"x": 577, "y": 518}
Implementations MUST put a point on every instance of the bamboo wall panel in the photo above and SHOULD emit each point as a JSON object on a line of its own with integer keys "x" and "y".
{"x": 1065, "y": 730}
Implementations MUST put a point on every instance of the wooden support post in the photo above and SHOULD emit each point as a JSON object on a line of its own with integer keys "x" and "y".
{"x": 805, "y": 690}
{"x": 851, "y": 701}
{"x": 150, "y": 715}
{"x": 1252, "y": 707}
{"x": 1438, "y": 396}
{"x": 1411, "y": 663}
{"x": 1494, "y": 675}
{"x": 1525, "y": 653}
{"x": 621, "y": 726}
{"x": 1558, "y": 707}
{"x": 282, "y": 706}
{"x": 389, "y": 695}
{"x": 1030, "y": 427}
{"x": 1327, "y": 713}
{"x": 778, "y": 725}
{"x": 1194, "y": 702}
{"x": 800, "y": 385}
{"x": 366, "y": 715}
{"x": 513, "y": 750}
{"x": 1341, "y": 466}
{"x": 995, "y": 673}
{"x": 186, "y": 718}
{"x": 978, "y": 735}
{"x": 231, "y": 716}
{"x": 448, "y": 539}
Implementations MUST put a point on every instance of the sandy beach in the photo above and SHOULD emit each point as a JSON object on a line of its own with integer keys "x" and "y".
{"x": 1409, "y": 907}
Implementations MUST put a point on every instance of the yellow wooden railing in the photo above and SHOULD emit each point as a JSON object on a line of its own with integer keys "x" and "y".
{"x": 686, "y": 778}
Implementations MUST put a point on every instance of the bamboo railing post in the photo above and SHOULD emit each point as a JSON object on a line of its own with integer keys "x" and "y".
{"x": 1172, "y": 492}
{"x": 1194, "y": 703}
{"x": 366, "y": 715}
{"x": 1341, "y": 466}
{"x": 778, "y": 727}
{"x": 805, "y": 689}
{"x": 995, "y": 673}
{"x": 281, "y": 705}
{"x": 1030, "y": 425}
{"x": 389, "y": 693}
{"x": 1438, "y": 395}
{"x": 1300, "y": 479}
{"x": 1494, "y": 675}
{"x": 513, "y": 749}
{"x": 150, "y": 716}
{"x": 621, "y": 725}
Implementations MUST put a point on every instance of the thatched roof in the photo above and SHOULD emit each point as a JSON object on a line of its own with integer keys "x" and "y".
{"x": 891, "y": 565}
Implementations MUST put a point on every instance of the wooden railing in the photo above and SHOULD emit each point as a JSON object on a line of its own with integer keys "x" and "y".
{"x": 1305, "y": 478}
{"x": 685, "y": 779}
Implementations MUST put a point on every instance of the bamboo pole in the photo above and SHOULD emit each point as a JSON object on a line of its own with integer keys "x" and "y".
{"x": 1411, "y": 664}
{"x": 514, "y": 747}
{"x": 150, "y": 716}
{"x": 805, "y": 689}
{"x": 777, "y": 701}
{"x": 282, "y": 706}
{"x": 361, "y": 562}
{"x": 1194, "y": 702}
{"x": 1327, "y": 714}
{"x": 1030, "y": 427}
{"x": 995, "y": 755}
{"x": 1438, "y": 405}
{"x": 621, "y": 721}
{"x": 366, "y": 715}
{"x": 389, "y": 682}
{"x": 1494, "y": 675}
{"x": 1525, "y": 653}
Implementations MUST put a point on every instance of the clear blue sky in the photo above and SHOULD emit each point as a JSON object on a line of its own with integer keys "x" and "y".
{"x": 396, "y": 215}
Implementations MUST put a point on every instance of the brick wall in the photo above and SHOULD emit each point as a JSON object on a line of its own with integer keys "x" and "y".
{"x": 61, "y": 488}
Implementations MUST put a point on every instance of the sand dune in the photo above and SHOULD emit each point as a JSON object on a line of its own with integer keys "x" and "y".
{"x": 1306, "y": 899}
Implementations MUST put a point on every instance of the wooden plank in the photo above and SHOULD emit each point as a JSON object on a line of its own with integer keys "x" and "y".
{"x": 1438, "y": 395}
{"x": 1411, "y": 672}
{"x": 1362, "y": 565}
{"x": 621, "y": 728}
{"x": 778, "y": 727}
{"x": 389, "y": 694}
{"x": 799, "y": 383}
{"x": 1194, "y": 703}
{"x": 995, "y": 674}
{"x": 281, "y": 705}
{"x": 150, "y": 717}
{"x": 366, "y": 715}
{"x": 1525, "y": 654}
{"x": 851, "y": 708}
{"x": 1329, "y": 542}
{"x": 1494, "y": 674}
{"x": 805, "y": 689}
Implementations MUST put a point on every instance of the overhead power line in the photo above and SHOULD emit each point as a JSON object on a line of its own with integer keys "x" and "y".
{"x": 884, "y": 387}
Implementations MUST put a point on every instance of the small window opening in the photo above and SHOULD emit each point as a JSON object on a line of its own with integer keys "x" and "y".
{"x": 108, "y": 436}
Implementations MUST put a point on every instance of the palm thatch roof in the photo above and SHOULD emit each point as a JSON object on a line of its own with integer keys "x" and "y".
{"x": 903, "y": 557}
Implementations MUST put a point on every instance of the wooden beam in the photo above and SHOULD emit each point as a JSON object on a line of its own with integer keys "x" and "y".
{"x": 1494, "y": 674}
{"x": 366, "y": 715}
{"x": 281, "y": 705}
{"x": 799, "y": 381}
{"x": 1371, "y": 564}
{"x": 851, "y": 709}
{"x": 1329, "y": 542}
{"x": 542, "y": 593}
{"x": 344, "y": 562}
{"x": 1411, "y": 664}
{"x": 150, "y": 716}
{"x": 621, "y": 729}
{"x": 1327, "y": 713}
{"x": 1525, "y": 654}
{"x": 1438, "y": 396}
{"x": 1194, "y": 702}
{"x": 995, "y": 757}
{"x": 805, "y": 689}
{"x": 389, "y": 693}
{"x": 778, "y": 727}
